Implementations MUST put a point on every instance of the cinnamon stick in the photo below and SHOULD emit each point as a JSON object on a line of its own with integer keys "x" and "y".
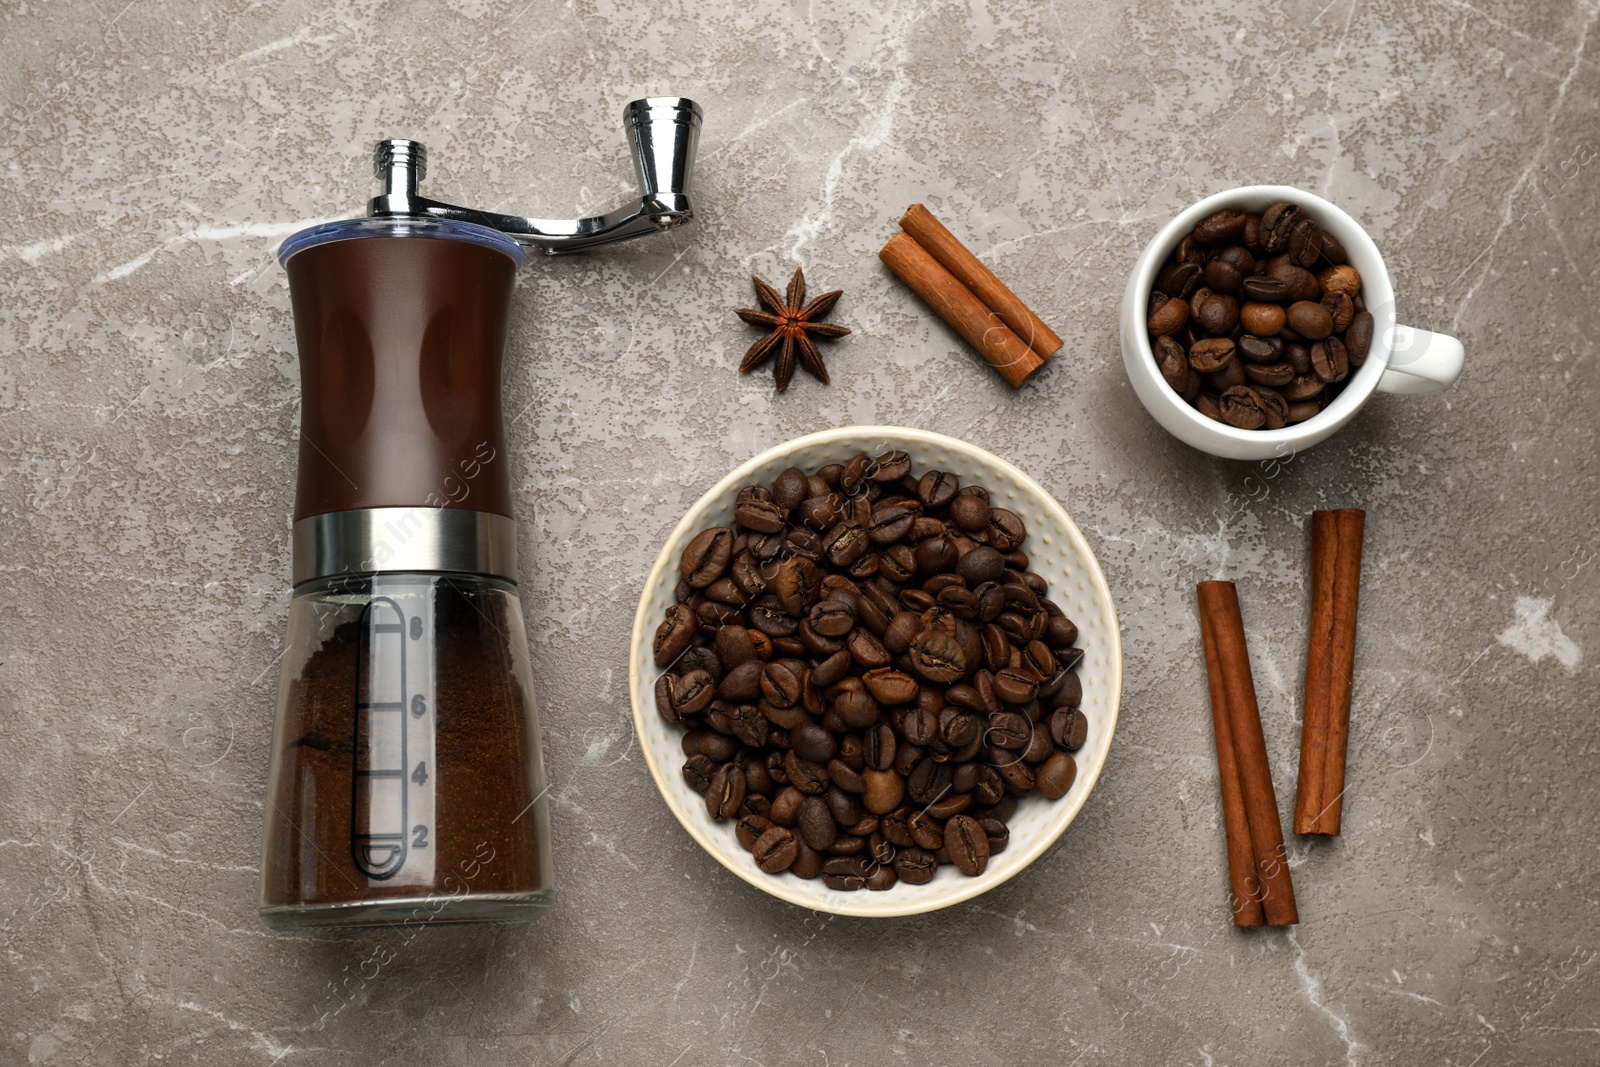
{"x": 1330, "y": 667}
{"x": 1244, "y": 892}
{"x": 966, "y": 268}
{"x": 956, "y": 305}
{"x": 1219, "y": 610}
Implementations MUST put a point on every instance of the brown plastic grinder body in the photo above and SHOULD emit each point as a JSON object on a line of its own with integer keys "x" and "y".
{"x": 401, "y": 341}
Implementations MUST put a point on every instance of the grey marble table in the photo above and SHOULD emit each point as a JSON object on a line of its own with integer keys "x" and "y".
{"x": 155, "y": 153}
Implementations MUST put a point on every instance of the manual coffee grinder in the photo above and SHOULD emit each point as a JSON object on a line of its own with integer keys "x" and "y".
{"x": 406, "y": 783}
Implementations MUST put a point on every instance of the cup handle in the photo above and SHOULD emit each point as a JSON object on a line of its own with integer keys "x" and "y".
{"x": 1421, "y": 361}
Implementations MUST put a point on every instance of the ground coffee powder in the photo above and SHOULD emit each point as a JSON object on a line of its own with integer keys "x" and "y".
{"x": 486, "y": 829}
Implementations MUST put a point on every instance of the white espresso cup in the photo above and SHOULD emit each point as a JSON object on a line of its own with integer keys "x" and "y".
{"x": 1401, "y": 359}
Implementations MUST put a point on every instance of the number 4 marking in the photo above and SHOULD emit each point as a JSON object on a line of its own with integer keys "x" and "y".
{"x": 420, "y": 775}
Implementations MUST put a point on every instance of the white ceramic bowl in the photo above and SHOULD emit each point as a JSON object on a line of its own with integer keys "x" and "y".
{"x": 1056, "y": 550}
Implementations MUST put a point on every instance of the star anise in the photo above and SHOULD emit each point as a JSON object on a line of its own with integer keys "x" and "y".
{"x": 791, "y": 320}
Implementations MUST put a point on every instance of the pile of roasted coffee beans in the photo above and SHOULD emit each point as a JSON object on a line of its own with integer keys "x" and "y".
{"x": 869, "y": 674}
{"x": 1257, "y": 320}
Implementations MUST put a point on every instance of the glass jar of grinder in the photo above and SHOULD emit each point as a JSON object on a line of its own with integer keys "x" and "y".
{"x": 406, "y": 781}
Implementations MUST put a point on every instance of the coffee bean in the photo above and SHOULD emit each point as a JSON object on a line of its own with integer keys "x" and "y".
{"x": 1008, "y": 730}
{"x": 693, "y": 693}
{"x": 1223, "y": 277}
{"x": 775, "y": 850}
{"x": 781, "y": 684}
{"x": 967, "y": 844}
{"x": 878, "y": 747}
{"x": 791, "y": 487}
{"x": 697, "y": 771}
{"x": 1301, "y": 284}
{"x": 867, "y": 651}
{"x": 1061, "y": 632}
{"x": 1179, "y": 282}
{"x": 989, "y": 788}
{"x": 1305, "y": 242}
{"x": 982, "y": 564}
{"x": 1173, "y": 363}
{"x": 832, "y": 618}
{"x": 726, "y": 792}
{"x": 1229, "y": 376}
{"x": 1016, "y": 685}
{"x": 807, "y": 861}
{"x": 707, "y": 556}
{"x": 1277, "y": 222}
{"x": 936, "y": 554}
{"x": 785, "y": 810}
{"x": 896, "y": 827}
{"x": 1263, "y": 289}
{"x": 1259, "y": 349}
{"x": 1358, "y": 339}
{"x": 1340, "y": 279}
{"x": 970, "y": 511}
{"x": 1310, "y": 320}
{"x": 844, "y": 806}
{"x": 844, "y": 873}
{"x": 845, "y": 776}
{"x": 890, "y": 686}
{"x": 1218, "y": 315}
{"x": 767, "y": 615}
{"x": 951, "y": 803}
{"x": 763, "y": 516}
{"x": 890, "y": 467}
{"x": 937, "y": 488}
{"x": 884, "y": 790}
{"x": 1069, "y": 728}
{"x": 750, "y": 726}
{"x": 743, "y": 683}
{"x": 1302, "y": 411}
{"x": 1220, "y": 228}
{"x": 1273, "y": 374}
{"x": 929, "y": 781}
{"x": 1211, "y": 355}
{"x": 1039, "y": 747}
{"x": 938, "y": 657}
{"x": 1056, "y": 776}
{"x": 734, "y": 646}
{"x": 816, "y": 824}
{"x": 1005, "y": 529}
{"x": 812, "y": 742}
{"x": 1328, "y": 363}
{"x": 750, "y": 828}
{"x": 1342, "y": 308}
{"x": 881, "y": 878}
{"x": 808, "y": 777}
{"x": 1304, "y": 387}
{"x": 890, "y": 523}
{"x": 926, "y": 831}
{"x": 958, "y": 729}
{"x": 1241, "y": 407}
{"x": 1017, "y": 776}
{"x": 674, "y": 635}
{"x": 915, "y": 866}
{"x": 958, "y": 600}
{"x": 1262, "y": 319}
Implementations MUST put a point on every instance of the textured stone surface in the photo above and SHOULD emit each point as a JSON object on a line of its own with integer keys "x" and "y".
{"x": 154, "y": 156}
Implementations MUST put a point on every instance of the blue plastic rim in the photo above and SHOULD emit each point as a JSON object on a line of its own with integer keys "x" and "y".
{"x": 439, "y": 229}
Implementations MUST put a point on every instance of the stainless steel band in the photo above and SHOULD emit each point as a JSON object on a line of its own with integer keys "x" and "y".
{"x": 405, "y": 539}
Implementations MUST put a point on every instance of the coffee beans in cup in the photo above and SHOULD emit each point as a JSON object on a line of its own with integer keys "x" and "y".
{"x": 867, "y": 674}
{"x": 1258, "y": 320}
